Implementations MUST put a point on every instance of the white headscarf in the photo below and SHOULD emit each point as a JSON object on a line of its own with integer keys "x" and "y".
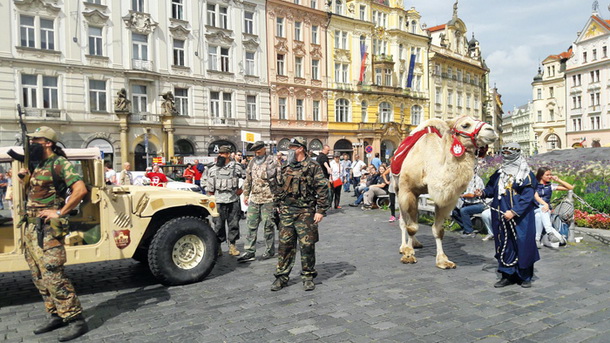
{"x": 514, "y": 167}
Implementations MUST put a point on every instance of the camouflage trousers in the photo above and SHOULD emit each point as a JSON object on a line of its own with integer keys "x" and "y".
{"x": 230, "y": 214}
{"x": 256, "y": 214}
{"x": 296, "y": 225}
{"x": 47, "y": 269}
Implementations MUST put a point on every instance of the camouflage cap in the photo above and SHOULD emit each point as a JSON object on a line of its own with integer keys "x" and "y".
{"x": 44, "y": 132}
{"x": 225, "y": 149}
{"x": 298, "y": 141}
{"x": 257, "y": 145}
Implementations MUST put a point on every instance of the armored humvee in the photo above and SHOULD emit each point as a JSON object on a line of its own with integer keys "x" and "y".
{"x": 167, "y": 229}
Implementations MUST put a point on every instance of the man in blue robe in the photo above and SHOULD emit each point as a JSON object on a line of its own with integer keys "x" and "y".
{"x": 512, "y": 188}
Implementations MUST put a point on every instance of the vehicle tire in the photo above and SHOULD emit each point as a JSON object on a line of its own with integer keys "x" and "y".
{"x": 184, "y": 250}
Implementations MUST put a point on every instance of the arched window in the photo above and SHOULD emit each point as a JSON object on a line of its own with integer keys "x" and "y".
{"x": 315, "y": 145}
{"x": 385, "y": 112}
{"x": 283, "y": 145}
{"x": 365, "y": 108}
{"x": 342, "y": 111}
{"x": 416, "y": 115}
{"x": 362, "y": 41}
{"x": 413, "y": 26}
{"x": 400, "y": 47}
{"x": 183, "y": 148}
{"x": 553, "y": 142}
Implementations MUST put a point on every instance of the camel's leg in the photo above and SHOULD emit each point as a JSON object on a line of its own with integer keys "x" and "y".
{"x": 408, "y": 223}
{"x": 438, "y": 231}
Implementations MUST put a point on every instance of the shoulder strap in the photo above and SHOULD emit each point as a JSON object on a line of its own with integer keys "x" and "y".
{"x": 58, "y": 183}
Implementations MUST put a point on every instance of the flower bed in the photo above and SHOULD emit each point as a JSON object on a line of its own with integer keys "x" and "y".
{"x": 596, "y": 221}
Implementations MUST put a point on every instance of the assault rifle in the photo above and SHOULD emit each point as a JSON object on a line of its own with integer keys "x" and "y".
{"x": 25, "y": 158}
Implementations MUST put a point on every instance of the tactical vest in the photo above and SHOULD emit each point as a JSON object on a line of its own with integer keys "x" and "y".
{"x": 225, "y": 180}
{"x": 299, "y": 185}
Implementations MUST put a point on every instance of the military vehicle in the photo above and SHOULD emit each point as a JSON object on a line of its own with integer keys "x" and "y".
{"x": 167, "y": 229}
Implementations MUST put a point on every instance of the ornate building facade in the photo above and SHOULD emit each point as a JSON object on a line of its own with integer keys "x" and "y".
{"x": 378, "y": 89}
{"x": 65, "y": 61}
{"x": 519, "y": 128}
{"x": 549, "y": 104}
{"x": 297, "y": 71}
{"x": 587, "y": 80}
{"x": 458, "y": 83}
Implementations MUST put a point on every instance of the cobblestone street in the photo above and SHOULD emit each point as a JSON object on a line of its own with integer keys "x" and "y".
{"x": 363, "y": 294}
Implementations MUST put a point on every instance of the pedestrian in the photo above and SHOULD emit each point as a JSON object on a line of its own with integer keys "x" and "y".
{"x": 512, "y": 188}
{"x": 223, "y": 182}
{"x": 3, "y": 187}
{"x": 376, "y": 161}
{"x": 45, "y": 225}
{"x": 302, "y": 204}
{"x": 125, "y": 176}
{"x": 336, "y": 176}
{"x": 9, "y": 191}
{"x": 157, "y": 178}
{"x": 280, "y": 158}
{"x": 189, "y": 173}
{"x": 110, "y": 174}
{"x": 378, "y": 189}
{"x": 369, "y": 177}
{"x": 544, "y": 191}
{"x": 392, "y": 191}
{"x": 260, "y": 188}
{"x": 358, "y": 166}
{"x": 470, "y": 205}
{"x": 200, "y": 168}
{"x": 323, "y": 161}
{"x": 347, "y": 169}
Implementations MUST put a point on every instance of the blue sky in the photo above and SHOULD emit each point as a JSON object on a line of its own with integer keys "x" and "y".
{"x": 515, "y": 35}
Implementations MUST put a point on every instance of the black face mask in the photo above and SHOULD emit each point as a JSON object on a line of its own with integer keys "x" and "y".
{"x": 221, "y": 161}
{"x": 36, "y": 152}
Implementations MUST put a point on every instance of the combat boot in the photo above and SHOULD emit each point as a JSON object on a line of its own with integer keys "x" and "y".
{"x": 55, "y": 322}
{"x": 308, "y": 285}
{"x": 278, "y": 284}
{"x": 233, "y": 250}
{"x": 77, "y": 327}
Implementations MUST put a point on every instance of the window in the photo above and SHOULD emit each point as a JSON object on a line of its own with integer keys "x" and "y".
{"x": 181, "y": 96}
{"x": 251, "y": 107}
{"x": 467, "y": 100}
{"x": 314, "y": 34}
{"x": 300, "y": 115}
{"x": 140, "y": 47}
{"x": 27, "y": 31}
{"x": 378, "y": 76}
{"x": 249, "y": 22}
{"x": 218, "y": 16}
{"x": 364, "y": 110}
{"x": 342, "y": 111}
{"x": 250, "y": 66}
{"x": 449, "y": 70}
{"x": 594, "y": 55}
{"x": 362, "y": 12}
{"x": 50, "y": 92}
{"x": 338, "y": 6}
{"x": 211, "y": 15}
{"x": 297, "y": 31}
{"x": 95, "y": 41}
{"x": 279, "y": 27}
{"x": 177, "y": 9}
{"x": 212, "y": 58}
{"x": 385, "y": 112}
{"x": 314, "y": 4}
{"x": 224, "y": 59}
{"x": 584, "y": 57}
{"x": 222, "y": 17}
{"x": 337, "y": 39}
{"x": 388, "y": 77}
{"x": 604, "y": 51}
{"x": 416, "y": 114}
{"x": 539, "y": 93}
{"x": 595, "y": 121}
{"x": 215, "y": 104}
{"x": 553, "y": 142}
{"x": 341, "y": 71}
{"x": 413, "y": 26}
{"x": 47, "y": 37}
{"x": 315, "y": 110}
{"x": 97, "y": 96}
{"x": 449, "y": 98}
{"x": 282, "y": 108}
{"x": 459, "y": 75}
{"x": 297, "y": 2}
{"x": 467, "y": 78}
{"x": 139, "y": 99}
{"x": 539, "y": 116}
{"x": 437, "y": 95}
{"x": 551, "y": 115}
{"x": 459, "y": 99}
{"x": 298, "y": 66}
{"x": 29, "y": 88}
{"x": 551, "y": 92}
{"x": 344, "y": 40}
{"x": 137, "y": 5}
{"x": 280, "y": 64}
{"x": 315, "y": 67}
{"x": 218, "y": 111}
{"x": 577, "y": 124}
{"x": 178, "y": 52}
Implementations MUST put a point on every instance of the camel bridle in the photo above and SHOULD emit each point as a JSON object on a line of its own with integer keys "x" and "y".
{"x": 472, "y": 135}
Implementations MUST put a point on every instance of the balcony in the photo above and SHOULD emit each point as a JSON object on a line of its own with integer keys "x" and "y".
{"x": 144, "y": 117}
{"x": 224, "y": 121}
{"x": 142, "y": 64}
{"x": 45, "y": 113}
{"x": 383, "y": 58}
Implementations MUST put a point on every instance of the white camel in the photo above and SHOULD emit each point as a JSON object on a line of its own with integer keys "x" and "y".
{"x": 441, "y": 167}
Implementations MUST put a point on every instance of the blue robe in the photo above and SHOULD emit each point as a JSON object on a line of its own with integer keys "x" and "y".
{"x": 520, "y": 199}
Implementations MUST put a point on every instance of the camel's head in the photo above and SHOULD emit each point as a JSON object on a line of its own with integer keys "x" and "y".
{"x": 470, "y": 134}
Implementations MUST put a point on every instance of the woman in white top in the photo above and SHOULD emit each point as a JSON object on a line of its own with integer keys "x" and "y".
{"x": 336, "y": 173}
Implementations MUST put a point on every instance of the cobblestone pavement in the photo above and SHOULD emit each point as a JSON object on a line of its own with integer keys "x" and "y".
{"x": 363, "y": 294}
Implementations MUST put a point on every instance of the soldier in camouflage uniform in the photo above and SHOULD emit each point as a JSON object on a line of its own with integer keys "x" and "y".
{"x": 223, "y": 183}
{"x": 303, "y": 202}
{"x": 262, "y": 180}
{"x": 45, "y": 226}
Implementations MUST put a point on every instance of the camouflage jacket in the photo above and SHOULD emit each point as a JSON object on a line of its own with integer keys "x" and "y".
{"x": 41, "y": 190}
{"x": 303, "y": 186}
{"x": 262, "y": 180}
{"x": 224, "y": 182}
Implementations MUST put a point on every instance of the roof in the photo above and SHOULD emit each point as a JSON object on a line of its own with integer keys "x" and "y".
{"x": 563, "y": 55}
{"x": 604, "y": 23}
{"x": 437, "y": 28}
{"x": 73, "y": 154}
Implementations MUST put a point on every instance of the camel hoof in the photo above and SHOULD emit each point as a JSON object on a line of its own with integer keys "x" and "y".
{"x": 417, "y": 245}
{"x": 403, "y": 250}
{"x": 446, "y": 265}
{"x": 408, "y": 259}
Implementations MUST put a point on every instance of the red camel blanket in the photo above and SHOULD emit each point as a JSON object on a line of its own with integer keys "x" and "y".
{"x": 406, "y": 145}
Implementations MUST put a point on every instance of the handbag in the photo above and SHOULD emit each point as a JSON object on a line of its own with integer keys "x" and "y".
{"x": 337, "y": 182}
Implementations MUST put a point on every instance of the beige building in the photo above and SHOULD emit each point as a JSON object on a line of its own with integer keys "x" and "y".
{"x": 494, "y": 113}
{"x": 520, "y": 128}
{"x": 458, "y": 82}
{"x": 549, "y": 104}
{"x": 65, "y": 63}
{"x": 297, "y": 71}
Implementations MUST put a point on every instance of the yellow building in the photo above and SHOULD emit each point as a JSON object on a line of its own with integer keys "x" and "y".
{"x": 377, "y": 71}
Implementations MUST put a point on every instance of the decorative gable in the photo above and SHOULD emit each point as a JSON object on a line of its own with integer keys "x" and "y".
{"x": 96, "y": 17}
{"x": 47, "y": 8}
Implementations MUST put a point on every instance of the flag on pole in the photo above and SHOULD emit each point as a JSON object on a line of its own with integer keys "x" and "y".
{"x": 411, "y": 69}
{"x": 363, "y": 55}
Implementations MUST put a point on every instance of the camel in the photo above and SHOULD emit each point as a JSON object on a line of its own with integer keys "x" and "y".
{"x": 440, "y": 163}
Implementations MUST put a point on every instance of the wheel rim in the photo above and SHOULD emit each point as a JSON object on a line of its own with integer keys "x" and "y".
{"x": 188, "y": 252}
